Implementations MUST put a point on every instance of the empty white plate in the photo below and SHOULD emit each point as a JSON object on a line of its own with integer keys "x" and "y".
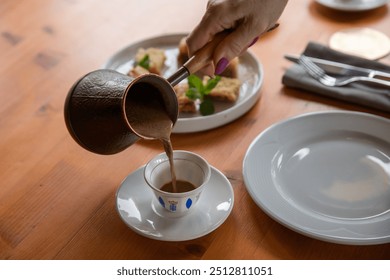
{"x": 325, "y": 175}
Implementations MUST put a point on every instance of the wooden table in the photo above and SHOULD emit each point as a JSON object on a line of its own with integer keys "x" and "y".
{"x": 57, "y": 200}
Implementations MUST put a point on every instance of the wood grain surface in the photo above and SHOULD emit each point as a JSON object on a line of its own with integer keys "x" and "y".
{"x": 57, "y": 200}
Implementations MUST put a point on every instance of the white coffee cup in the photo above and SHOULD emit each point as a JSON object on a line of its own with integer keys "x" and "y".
{"x": 189, "y": 167}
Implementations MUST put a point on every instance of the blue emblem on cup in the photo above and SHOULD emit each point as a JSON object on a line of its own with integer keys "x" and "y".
{"x": 189, "y": 203}
{"x": 172, "y": 207}
{"x": 161, "y": 201}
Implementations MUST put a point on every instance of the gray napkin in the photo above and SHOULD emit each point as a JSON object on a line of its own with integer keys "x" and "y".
{"x": 359, "y": 93}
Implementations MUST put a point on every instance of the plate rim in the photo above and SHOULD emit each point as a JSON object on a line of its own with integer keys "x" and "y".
{"x": 294, "y": 226}
{"x": 203, "y": 123}
{"x": 351, "y": 8}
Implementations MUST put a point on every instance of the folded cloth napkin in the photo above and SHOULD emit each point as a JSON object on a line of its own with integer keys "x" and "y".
{"x": 359, "y": 93}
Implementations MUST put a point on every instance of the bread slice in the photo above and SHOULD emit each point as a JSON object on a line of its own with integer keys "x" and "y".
{"x": 137, "y": 71}
{"x": 232, "y": 70}
{"x": 227, "y": 89}
{"x": 182, "y": 56}
{"x": 185, "y": 104}
{"x": 157, "y": 59}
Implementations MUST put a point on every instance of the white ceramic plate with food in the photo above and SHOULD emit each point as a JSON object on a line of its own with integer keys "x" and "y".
{"x": 250, "y": 73}
{"x": 353, "y": 5}
{"x": 140, "y": 210}
{"x": 325, "y": 175}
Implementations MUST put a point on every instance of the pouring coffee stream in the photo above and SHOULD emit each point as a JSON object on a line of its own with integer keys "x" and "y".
{"x": 150, "y": 120}
{"x": 107, "y": 111}
{"x": 158, "y": 125}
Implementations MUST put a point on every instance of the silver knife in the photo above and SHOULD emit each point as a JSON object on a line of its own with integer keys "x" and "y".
{"x": 334, "y": 67}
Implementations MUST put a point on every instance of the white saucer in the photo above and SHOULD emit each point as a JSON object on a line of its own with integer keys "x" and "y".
{"x": 137, "y": 207}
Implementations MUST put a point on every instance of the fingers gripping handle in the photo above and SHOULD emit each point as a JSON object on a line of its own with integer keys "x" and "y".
{"x": 200, "y": 59}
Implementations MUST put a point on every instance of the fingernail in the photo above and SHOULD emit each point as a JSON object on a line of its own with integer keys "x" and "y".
{"x": 221, "y": 66}
{"x": 253, "y": 42}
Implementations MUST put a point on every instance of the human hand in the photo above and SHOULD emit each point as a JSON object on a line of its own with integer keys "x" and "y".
{"x": 247, "y": 20}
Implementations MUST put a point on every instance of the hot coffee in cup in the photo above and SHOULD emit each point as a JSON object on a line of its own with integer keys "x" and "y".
{"x": 192, "y": 174}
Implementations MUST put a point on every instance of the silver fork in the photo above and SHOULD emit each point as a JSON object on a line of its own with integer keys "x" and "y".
{"x": 319, "y": 74}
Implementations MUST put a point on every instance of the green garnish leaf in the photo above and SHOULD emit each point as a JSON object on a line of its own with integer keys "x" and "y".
{"x": 193, "y": 94}
{"x": 211, "y": 83}
{"x": 195, "y": 82}
{"x": 207, "y": 107}
{"x": 145, "y": 62}
{"x": 197, "y": 91}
